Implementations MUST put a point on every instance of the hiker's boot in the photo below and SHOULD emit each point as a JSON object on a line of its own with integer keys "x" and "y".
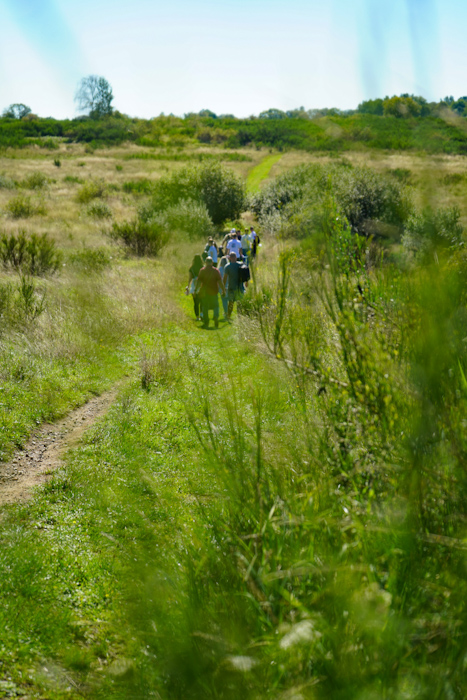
{"x": 216, "y": 323}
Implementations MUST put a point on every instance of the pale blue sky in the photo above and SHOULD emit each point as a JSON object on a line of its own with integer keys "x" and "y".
{"x": 231, "y": 56}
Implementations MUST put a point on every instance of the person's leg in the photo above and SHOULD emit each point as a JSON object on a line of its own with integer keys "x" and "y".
{"x": 216, "y": 310}
{"x": 225, "y": 305}
{"x": 196, "y": 305}
{"x": 231, "y": 303}
{"x": 205, "y": 305}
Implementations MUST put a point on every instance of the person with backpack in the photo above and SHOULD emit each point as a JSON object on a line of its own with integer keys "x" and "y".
{"x": 233, "y": 282}
{"x": 208, "y": 285}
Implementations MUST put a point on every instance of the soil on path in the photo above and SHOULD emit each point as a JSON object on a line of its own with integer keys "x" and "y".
{"x": 34, "y": 464}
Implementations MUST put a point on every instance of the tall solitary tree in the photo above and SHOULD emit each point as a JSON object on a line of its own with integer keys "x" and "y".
{"x": 17, "y": 111}
{"x": 94, "y": 96}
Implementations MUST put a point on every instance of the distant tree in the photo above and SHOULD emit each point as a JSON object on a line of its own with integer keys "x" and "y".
{"x": 448, "y": 100}
{"x": 17, "y": 111}
{"x": 94, "y": 96}
{"x": 460, "y": 106}
{"x": 207, "y": 113}
{"x": 298, "y": 113}
{"x": 273, "y": 114}
{"x": 401, "y": 107}
{"x": 371, "y": 107}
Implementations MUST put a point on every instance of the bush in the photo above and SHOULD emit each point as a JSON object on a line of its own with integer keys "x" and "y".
{"x": 90, "y": 259}
{"x": 29, "y": 254}
{"x": 20, "y": 303}
{"x": 22, "y": 207}
{"x": 93, "y": 189}
{"x": 429, "y": 230}
{"x": 141, "y": 186}
{"x": 212, "y": 184}
{"x": 141, "y": 237}
{"x": 35, "y": 181}
{"x": 6, "y": 182}
{"x": 363, "y": 196}
{"x": 73, "y": 180}
{"x": 99, "y": 210}
{"x": 187, "y": 216}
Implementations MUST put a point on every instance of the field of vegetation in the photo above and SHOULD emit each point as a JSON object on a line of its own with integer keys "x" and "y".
{"x": 274, "y": 509}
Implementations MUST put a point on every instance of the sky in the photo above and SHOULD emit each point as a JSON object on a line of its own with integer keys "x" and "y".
{"x": 231, "y": 56}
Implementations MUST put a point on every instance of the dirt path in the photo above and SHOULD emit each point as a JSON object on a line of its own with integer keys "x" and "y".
{"x": 34, "y": 464}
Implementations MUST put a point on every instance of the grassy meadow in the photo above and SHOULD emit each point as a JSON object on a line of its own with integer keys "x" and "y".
{"x": 275, "y": 509}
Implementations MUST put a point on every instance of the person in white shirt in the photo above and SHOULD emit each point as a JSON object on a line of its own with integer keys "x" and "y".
{"x": 213, "y": 252}
{"x": 235, "y": 246}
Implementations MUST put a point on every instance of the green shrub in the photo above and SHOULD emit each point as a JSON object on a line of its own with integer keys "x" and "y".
{"x": 363, "y": 196}
{"x": 73, "y": 180}
{"x": 31, "y": 304}
{"x": 6, "y": 182}
{"x": 93, "y": 189}
{"x": 141, "y": 237}
{"x": 141, "y": 186}
{"x": 454, "y": 178}
{"x": 187, "y": 216}
{"x": 217, "y": 187}
{"x": 29, "y": 254}
{"x": 35, "y": 181}
{"x": 90, "y": 259}
{"x": 23, "y": 207}
{"x": 57, "y": 162}
{"x": 20, "y": 303}
{"x": 99, "y": 210}
{"x": 431, "y": 230}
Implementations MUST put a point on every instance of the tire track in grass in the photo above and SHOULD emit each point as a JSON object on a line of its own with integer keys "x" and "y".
{"x": 261, "y": 171}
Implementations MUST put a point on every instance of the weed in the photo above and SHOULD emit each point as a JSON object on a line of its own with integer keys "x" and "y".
{"x": 57, "y": 162}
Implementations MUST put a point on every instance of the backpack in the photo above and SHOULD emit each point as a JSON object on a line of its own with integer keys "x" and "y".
{"x": 244, "y": 274}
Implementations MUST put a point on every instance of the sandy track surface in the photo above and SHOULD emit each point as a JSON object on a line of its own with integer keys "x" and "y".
{"x": 34, "y": 464}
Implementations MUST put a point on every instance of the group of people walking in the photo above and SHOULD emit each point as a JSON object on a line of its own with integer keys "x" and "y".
{"x": 224, "y": 269}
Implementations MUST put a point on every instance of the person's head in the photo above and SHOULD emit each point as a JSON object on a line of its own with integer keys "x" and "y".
{"x": 251, "y": 228}
{"x": 208, "y": 261}
{"x": 232, "y": 257}
{"x": 210, "y": 240}
{"x": 224, "y": 261}
{"x": 232, "y": 230}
